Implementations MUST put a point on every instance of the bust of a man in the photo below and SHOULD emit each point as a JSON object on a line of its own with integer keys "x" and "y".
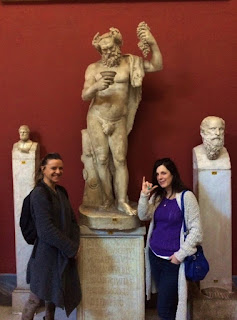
{"x": 24, "y": 144}
{"x": 212, "y": 130}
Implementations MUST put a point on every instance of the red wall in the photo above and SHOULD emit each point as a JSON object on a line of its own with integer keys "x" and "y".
{"x": 45, "y": 49}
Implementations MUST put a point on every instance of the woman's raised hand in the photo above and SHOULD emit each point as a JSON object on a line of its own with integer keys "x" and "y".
{"x": 147, "y": 187}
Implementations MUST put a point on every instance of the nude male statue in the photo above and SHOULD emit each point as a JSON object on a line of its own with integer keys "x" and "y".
{"x": 114, "y": 101}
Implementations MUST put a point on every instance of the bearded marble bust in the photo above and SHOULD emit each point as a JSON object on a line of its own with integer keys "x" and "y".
{"x": 24, "y": 145}
{"x": 212, "y": 130}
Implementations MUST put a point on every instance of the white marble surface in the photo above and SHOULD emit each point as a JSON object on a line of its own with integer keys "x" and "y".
{"x": 111, "y": 268}
{"x": 212, "y": 185}
{"x": 200, "y": 160}
{"x": 23, "y": 168}
{"x": 212, "y": 130}
{"x": 108, "y": 220}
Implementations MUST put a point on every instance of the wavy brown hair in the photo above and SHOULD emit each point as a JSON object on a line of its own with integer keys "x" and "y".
{"x": 177, "y": 183}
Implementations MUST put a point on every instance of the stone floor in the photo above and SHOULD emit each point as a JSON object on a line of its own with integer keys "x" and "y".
{"x": 6, "y": 310}
{"x": 7, "y": 285}
{"x": 6, "y": 314}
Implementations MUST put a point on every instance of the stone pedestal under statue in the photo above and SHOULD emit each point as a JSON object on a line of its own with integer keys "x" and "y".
{"x": 24, "y": 164}
{"x": 112, "y": 219}
{"x": 111, "y": 268}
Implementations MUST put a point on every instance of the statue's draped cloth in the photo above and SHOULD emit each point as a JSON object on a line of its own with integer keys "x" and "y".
{"x": 135, "y": 91}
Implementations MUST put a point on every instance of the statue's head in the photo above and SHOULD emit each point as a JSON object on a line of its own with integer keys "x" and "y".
{"x": 212, "y": 130}
{"x": 109, "y": 45}
{"x": 24, "y": 133}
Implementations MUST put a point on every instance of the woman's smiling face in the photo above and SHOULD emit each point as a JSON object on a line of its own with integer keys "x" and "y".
{"x": 164, "y": 177}
{"x": 52, "y": 171}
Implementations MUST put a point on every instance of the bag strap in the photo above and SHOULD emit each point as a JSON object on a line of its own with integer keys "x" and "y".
{"x": 182, "y": 209}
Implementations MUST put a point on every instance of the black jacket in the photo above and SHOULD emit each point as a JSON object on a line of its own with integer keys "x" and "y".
{"x": 52, "y": 269}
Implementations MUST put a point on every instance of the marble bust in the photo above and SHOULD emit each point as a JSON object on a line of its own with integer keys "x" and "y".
{"x": 212, "y": 153}
{"x": 212, "y": 131}
{"x": 24, "y": 145}
{"x": 113, "y": 85}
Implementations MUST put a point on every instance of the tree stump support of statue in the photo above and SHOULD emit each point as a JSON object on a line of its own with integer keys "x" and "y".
{"x": 25, "y": 158}
{"x": 212, "y": 186}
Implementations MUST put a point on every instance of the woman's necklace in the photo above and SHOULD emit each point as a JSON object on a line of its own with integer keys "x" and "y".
{"x": 167, "y": 199}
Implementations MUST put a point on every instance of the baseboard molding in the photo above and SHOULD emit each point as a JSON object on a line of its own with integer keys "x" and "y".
{"x": 7, "y": 285}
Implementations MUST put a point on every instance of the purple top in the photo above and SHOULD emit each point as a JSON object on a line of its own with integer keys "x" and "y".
{"x": 165, "y": 238}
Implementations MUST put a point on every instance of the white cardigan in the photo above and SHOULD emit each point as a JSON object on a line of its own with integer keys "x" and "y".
{"x": 146, "y": 209}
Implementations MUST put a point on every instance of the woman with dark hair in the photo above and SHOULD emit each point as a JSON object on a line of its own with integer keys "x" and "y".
{"x": 52, "y": 268}
{"x": 166, "y": 248}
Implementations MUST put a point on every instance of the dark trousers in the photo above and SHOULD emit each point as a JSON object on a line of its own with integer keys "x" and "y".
{"x": 165, "y": 275}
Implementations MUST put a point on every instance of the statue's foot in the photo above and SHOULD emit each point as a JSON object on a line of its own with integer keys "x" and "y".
{"x": 124, "y": 207}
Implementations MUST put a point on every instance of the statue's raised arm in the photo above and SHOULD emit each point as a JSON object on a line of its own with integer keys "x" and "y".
{"x": 148, "y": 43}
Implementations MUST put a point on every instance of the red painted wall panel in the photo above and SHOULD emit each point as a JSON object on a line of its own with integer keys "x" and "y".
{"x": 45, "y": 49}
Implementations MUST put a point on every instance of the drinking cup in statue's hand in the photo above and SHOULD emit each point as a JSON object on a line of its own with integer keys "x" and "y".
{"x": 109, "y": 76}
{"x": 109, "y": 80}
{"x": 108, "y": 73}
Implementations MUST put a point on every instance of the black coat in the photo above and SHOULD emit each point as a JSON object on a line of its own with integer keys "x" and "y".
{"x": 52, "y": 269}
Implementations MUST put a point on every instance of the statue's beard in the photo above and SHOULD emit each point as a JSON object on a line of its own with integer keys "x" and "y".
{"x": 113, "y": 60}
{"x": 213, "y": 150}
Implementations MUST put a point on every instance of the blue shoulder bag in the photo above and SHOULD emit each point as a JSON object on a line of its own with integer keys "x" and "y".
{"x": 196, "y": 265}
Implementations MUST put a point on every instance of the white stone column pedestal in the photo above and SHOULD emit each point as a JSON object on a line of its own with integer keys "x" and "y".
{"x": 212, "y": 186}
{"x": 111, "y": 268}
{"x": 23, "y": 168}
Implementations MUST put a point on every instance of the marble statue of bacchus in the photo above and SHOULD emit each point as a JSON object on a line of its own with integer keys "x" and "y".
{"x": 114, "y": 97}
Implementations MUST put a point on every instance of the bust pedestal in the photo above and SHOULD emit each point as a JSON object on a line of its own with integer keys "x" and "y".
{"x": 23, "y": 167}
{"x": 212, "y": 186}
